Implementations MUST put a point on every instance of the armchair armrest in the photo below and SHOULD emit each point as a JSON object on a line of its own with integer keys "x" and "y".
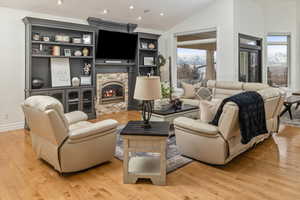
{"x": 200, "y": 128}
{"x": 93, "y": 129}
{"x": 76, "y": 116}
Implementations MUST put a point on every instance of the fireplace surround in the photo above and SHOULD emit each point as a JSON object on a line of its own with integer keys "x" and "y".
{"x": 112, "y": 93}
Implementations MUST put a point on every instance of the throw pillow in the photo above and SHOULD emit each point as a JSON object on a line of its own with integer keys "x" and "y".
{"x": 204, "y": 94}
{"x": 208, "y": 109}
{"x": 189, "y": 90}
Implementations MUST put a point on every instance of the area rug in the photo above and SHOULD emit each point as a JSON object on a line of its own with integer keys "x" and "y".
{"x": 285, "y": 119}
{"x": 174, "y": 159}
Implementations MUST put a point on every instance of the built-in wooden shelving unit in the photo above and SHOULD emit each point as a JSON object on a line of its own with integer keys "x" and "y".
{"x": 38, "y": 62}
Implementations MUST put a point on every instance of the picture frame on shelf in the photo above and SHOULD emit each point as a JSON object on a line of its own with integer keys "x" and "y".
{"x": 149, "y": 61}
{"x": 62, "y": 38}
{"x": 60, "y": 72}
{"x": 87, "y": 38}
{"x": 85, "y": 80}
{"x": 76, "y": 40}
{"x": 67, "y": 52}
{"x": 144, "y": 45}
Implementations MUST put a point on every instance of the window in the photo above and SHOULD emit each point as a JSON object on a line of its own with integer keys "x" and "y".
{"x": 191, "y": 65}
{"x": 196, "y": 57}
{"x": 278, "y": 60}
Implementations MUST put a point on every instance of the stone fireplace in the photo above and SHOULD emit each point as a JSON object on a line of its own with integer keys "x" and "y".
{"x": 112, "y": 93}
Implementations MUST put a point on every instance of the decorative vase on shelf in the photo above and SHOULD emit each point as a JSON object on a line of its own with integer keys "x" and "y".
{"x": 56, "y": 51}
{"x": 37, "y": 83}
{"x": 75, "y": 82}
{"x": 85, "y": 52}
{"x": 77, "y": 53}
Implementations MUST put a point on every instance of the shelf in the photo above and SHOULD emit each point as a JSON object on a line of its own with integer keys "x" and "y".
{"x": 63, "y": 44}
{"x": 144, "y": 166}
{"x": 61, "y": 88}
{"x": 49, "y": 56}
{"x": 147, "y": 66}
{"x": 115, "y": 64}
{"x": 150, "y": 50}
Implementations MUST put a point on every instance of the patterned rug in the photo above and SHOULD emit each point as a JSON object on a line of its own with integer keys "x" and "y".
{"x": 174, "y": 159}
{"x": 285, "y": 119}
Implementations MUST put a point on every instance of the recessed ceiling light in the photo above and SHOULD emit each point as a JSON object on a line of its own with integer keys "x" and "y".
{"x": 131, "y": 7}
{"x": 162, "y": 14}
{"x": 105, "y": 11}
{"x": 139, "y": 18}
{"x": 59, "y": 2}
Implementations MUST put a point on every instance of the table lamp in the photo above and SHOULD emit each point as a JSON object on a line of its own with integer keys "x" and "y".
{"x": 147, "y": 89}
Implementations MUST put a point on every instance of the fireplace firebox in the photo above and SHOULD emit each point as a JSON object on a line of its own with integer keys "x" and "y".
{"x": 112, "y": 92}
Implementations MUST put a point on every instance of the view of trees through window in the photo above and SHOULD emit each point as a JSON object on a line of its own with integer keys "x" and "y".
{"x": 278, "y": 60}
{"x": 191, "y": 65}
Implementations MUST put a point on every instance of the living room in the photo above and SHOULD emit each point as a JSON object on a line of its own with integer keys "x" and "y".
{"x": 132, "y": 99}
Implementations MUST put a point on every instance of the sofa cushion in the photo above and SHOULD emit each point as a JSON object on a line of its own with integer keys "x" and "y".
{"x": 190, "y": 90}
{"x": 232, "y": 85}
{"x": 204, "y": 93}
{"x": 224, "y": 93}
{"x": 197, "y": 126}
{"x": 254, "y": 86}
{"x": 208, "y": 109}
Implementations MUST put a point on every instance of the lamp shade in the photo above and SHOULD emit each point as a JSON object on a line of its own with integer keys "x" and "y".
{"x": 147, "y": 88}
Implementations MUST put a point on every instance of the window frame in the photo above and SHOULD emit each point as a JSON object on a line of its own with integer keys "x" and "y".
{"x": 288, "y": 44}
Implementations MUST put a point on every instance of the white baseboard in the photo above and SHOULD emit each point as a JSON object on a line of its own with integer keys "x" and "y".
{"x": 11, "y": 126}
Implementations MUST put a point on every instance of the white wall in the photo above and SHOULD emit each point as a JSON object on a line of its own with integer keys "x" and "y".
{"x": 219, "y": 15}
{"x": 12, "y": 67}
{"x": 281, "y": 17}
{"x": 248, "y": 20}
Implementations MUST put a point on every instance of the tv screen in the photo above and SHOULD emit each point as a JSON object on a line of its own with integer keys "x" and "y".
{"x": 116, "y": 45}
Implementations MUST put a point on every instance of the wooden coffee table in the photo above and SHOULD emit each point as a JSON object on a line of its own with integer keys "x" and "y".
{"x": 138, "y": 139}
{"x": 169, "y": 114}
{"x": 288, "y": 103}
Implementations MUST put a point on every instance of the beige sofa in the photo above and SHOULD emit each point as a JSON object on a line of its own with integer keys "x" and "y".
{"x": 220, "y": 144}
{"x": 67, "y": 141}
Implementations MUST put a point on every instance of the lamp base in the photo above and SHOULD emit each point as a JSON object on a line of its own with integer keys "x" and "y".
{"x": 146, "y": 125}
{"x": 146, "y": 113}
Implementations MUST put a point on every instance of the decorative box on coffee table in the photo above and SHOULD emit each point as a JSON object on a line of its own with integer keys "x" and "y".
{"x": 138, "y": 139}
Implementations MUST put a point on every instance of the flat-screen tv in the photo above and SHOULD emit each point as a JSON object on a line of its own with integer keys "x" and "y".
{"x": 116, "y": 45}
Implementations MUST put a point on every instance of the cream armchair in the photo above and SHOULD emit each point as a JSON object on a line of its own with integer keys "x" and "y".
{"x": 220, "y": 144}
{"x": 67, "y": 141}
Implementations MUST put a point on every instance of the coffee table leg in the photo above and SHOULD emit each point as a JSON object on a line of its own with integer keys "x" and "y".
{"x": 286, "y": 108}
{"x": 297, "y": 106}
{"x": 125, "y": 161}
{"x": 290, "y": 112}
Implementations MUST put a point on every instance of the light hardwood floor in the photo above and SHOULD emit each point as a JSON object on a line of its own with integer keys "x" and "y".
{"x": 269, "y": 171}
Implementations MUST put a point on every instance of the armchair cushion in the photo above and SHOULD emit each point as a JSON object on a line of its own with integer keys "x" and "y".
{"x": 197, "y": 126}
{"x": 87, "y": 129}
{"x": 45, "y": 103}
{"x": 76, "y": 116}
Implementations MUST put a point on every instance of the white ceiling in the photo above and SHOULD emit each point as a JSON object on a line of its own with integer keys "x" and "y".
{"x": 174, "y": 10}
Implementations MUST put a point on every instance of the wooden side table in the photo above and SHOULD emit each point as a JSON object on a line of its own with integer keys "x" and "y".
{"x": 138, "y": 139}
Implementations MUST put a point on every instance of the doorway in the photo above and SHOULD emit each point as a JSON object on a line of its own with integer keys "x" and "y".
{"x": 250, "y": 58}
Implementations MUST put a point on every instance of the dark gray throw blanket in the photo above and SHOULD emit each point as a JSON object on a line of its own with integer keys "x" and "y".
{"x": 251, "y": 114}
